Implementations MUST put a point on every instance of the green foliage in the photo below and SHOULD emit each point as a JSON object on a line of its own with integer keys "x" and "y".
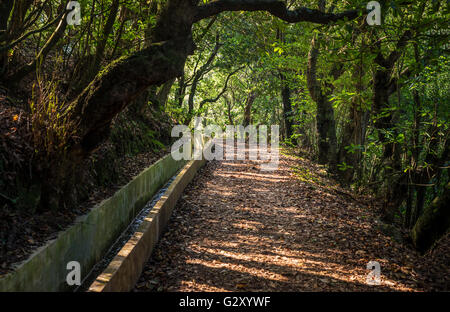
{"x": 343, "y": 166}
{"x": 131, "y": 137}
{"x": 51, "y": 129}
{"x": 253, "y": 53}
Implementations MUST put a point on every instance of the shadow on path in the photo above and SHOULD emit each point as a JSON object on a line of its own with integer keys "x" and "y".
{"x": 237, "y": 228}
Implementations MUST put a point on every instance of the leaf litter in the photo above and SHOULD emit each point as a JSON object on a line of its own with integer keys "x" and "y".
{"x": 237, "y": 228}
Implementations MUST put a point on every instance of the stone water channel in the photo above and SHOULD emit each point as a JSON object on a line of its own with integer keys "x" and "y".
{"x": 123, "y": 238}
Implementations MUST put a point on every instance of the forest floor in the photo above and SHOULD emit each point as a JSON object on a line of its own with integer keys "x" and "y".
{"x": 21, "y": 232}
{"x": 237, "y": 228}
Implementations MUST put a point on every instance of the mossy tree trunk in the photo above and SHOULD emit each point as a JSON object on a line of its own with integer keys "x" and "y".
{"x": 120, "y": 83}
{"x": 326, "y": 127}
{"x": 433, "y": 223}
{"x": 248, "y": 108}
{"x": 384, "y": 85}
{"x": 352, "y": 132}
{"x": 287, "y": 110}
{"x": 196, "y": 79}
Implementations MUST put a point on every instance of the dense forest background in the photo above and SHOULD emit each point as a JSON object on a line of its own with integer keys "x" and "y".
{"x": 371, "y": 103}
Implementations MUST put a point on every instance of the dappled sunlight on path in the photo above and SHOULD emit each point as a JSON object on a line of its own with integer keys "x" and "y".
{"x": 237, "y": 228}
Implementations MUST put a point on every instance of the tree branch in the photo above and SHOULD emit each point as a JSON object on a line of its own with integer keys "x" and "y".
{"x": 212, "y": 100}
{"x": 51, "y": 42}
{"x": 274, "y": 7}
{"x": 25, "y": 36}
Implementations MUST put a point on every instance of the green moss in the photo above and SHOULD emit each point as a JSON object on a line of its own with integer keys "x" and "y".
{"x": 131, "y": 134}
{"x": 433, "y": 223}
{"x": 290, "y": 152}
{"x": 305, "y": 175}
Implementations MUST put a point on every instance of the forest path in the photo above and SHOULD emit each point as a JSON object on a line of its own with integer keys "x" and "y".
{"x": 237, "y": 228}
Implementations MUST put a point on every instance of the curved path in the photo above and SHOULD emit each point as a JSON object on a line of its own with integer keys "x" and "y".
{"x": 237, "y": 228}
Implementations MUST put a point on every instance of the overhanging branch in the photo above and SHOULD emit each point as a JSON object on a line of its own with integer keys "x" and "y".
{"x": 215, "y": 99}
{"x": 274, "y": 7}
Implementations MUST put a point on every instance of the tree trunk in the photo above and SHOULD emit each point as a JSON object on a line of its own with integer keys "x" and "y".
{"x": 164, "y": 91}
{"x": 121, "y": 82}
{"x": 352, "y": 132}
{"x": 5, "y": 11}
{"x": 230, "y": 117}
{"x": 383, "y": 86}
{"x": 107, "y": 30}
{"x": 197, "y": 76}
{"x": 325, "y": 114}
{"x": 433, "y": 223}
{"x": 248, "y": 109}
{"x": 48, "y": 46}
{"x": 285, "y": 96}
{"x": 287, "y": 109}
{"x": 118, "y": 85}
{"x": 125, "y": 78}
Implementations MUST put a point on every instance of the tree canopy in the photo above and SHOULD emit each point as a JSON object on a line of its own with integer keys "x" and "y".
{"x": 370, "y": 102}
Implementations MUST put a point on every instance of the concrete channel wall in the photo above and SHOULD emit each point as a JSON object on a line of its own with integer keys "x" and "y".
{"x": 92, "y": 234}
{"x": 124, "y": 270}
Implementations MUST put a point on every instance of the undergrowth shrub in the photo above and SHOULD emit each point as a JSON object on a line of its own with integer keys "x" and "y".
{"x": 51, "y": 129}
